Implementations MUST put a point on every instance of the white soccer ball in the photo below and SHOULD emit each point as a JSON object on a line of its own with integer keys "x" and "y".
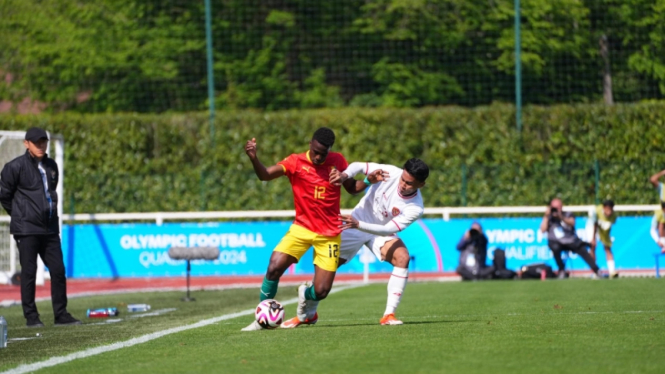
{"x": 269, "y": 314}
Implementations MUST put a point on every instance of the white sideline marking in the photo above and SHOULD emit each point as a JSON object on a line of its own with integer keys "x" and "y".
{"x": 407, "y": 318}
{"x": 221, "y": 287}
{"x": 53, "y": 361}
{"x": 155, "y": 313}
{"x": 108, "y": 321}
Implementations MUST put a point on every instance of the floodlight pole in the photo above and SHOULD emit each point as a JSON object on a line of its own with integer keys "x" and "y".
{"x": 518, "y": 68}
{"x": 211, "y": 80}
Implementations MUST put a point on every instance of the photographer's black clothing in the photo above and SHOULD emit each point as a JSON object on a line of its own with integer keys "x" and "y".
{"x": 473, "y": 256}
{"x": 25, "y": 198}
{"x": 479, "y": 242}
{"x": 579, "y": 248}
{"x": 562, "y": 237}
{"x": 558, "y": 231}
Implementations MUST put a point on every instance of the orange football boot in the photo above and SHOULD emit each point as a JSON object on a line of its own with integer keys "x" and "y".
{"x": 389, "y": 319}
{"x": 295, "y": 322}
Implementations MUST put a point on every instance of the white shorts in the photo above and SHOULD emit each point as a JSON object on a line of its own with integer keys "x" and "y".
{"x": 353, "y": 240}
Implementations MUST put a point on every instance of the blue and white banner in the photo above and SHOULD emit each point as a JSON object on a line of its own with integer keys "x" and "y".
{"x": 141, "y": 250}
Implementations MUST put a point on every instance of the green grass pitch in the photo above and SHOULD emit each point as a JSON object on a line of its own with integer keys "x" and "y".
{"x": 568, "y": 326}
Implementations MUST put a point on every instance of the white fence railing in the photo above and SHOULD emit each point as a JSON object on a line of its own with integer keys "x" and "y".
{"x": 444, "y": 212}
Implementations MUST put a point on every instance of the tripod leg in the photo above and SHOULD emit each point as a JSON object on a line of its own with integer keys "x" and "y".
{"x": 189, "y": 269}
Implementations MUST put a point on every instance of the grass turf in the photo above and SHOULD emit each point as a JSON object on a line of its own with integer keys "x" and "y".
{"x": 610, "y": 326}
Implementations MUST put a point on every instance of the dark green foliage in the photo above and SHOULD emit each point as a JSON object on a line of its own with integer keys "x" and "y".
{"x": 150, "y": 55}
{"x": 131, "y": 162}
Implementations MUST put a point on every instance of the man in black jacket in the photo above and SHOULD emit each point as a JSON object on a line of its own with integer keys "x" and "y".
{"x": 27, "y": 192}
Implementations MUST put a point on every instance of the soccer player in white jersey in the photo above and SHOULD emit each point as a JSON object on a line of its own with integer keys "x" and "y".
{"x": 388, "y": 207}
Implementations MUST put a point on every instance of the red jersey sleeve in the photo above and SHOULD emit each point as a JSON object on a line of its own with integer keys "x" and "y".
{"x": 341, "y": 163}
{"x": 289, "y": 164}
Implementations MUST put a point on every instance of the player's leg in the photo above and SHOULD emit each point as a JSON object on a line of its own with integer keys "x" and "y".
{"x": 352, "y": 241}
{"x": 279, "y": 262}
{"x": 288, "y": 252}
{"x": 610, "y": 261}
{"x": 607, "y": 244}
{"x": 395, "y": 252}
{"x": 326, "y": 261}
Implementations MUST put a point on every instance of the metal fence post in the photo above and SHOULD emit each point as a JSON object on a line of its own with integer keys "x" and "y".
{"x": 596, "y": 167}
{"x": 464, "y": 171}
{"x": 518, "y": 67}
{"x": 69, "y": 269}
{"x": 202, "y": 194}
{"x": 211, "y": 79}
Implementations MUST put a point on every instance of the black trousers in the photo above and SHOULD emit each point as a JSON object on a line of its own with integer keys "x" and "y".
{"x": 49, "y": 249}
{"x": 579, "y": 248}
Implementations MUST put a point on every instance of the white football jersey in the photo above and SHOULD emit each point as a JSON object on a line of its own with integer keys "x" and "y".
{"x": 383, "y": 203}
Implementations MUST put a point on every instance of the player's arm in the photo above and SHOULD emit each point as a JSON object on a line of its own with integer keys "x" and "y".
{"x": 656, "y": 230}
{"x": 264, "y": 173}
{"x": 397, "y": 224}
{"x": 655, "y": 178}
{"x": 545, "y": 223}
{"x": 355, "y": 187}
{"x": 352, "y": 186}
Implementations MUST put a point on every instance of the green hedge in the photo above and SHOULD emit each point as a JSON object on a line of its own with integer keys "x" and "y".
{"x": 131, "y": 162}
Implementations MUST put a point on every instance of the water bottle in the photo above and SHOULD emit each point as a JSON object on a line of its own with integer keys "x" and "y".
{"x": 138, "y": 307}
{"x": 102, "y": 312}
{"x": 3, "y": 332}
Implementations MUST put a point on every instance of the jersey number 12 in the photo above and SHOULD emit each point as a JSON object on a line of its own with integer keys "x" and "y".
{"x": 319, "y": 192}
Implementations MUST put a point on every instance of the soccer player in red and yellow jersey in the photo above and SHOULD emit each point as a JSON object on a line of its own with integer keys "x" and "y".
{"x": 316, "y": 195}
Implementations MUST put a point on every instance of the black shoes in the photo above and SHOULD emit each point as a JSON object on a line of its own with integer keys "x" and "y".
{"x": 66, "y": 320}
{"x": 34, "y": 322}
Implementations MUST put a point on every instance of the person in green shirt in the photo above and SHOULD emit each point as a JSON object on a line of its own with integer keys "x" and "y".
{"x": 603, "y": 218}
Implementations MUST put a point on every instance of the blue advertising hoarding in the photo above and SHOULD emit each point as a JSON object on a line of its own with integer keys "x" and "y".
{"x": 141, "y": 250}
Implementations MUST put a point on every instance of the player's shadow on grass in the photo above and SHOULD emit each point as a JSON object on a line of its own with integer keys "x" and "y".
{"x": 405, "y": 323}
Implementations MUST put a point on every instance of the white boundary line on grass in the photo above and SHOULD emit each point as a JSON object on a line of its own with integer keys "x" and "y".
{"x": 7, "y": 303}
{"x": 53, "y": 361}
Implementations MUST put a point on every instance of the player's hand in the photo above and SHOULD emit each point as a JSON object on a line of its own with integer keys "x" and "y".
{"x": 593, "y": 243}
{"x": 378, "y": 176}
{"x": 348, "y": 222}
{"x": 337, "y": 178}
{"x": 250, "y": 148}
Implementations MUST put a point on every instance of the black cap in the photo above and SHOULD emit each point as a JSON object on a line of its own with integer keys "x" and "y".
{"x": 35, "y": 133}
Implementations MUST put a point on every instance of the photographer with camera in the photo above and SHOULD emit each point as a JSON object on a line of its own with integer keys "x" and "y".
{"x": 561, "y": 236}
{"x": 473, "y": 256}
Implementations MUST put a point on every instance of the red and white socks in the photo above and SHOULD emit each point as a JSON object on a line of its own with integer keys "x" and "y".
{"x": 396, "y": 286}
